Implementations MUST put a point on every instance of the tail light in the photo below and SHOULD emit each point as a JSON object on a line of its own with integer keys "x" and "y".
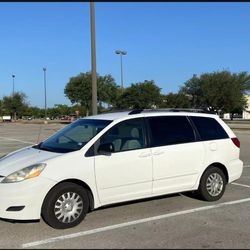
{"x": 236, "y": 142}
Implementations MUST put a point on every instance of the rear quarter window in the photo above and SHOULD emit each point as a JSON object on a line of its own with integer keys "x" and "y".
{"x": 209, "y": 128}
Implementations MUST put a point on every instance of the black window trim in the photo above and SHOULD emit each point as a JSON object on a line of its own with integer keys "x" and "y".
{"x": 195, "y": 130}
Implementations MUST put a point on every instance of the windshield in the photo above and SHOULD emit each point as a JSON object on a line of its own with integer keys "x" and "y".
{"x": 74, "y": 136}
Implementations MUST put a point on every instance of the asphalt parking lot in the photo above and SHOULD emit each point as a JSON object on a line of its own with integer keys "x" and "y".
{"x": 172, "y": 221}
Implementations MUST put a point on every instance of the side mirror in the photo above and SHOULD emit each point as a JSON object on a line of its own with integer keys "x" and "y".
{"x": 106, "y": 148}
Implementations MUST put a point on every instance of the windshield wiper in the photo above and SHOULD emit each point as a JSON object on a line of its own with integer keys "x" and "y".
{"x": 47, "y": 149}
{"x": 38, "y": 146}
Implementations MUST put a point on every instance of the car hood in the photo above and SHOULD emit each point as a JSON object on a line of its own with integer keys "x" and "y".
{"x": 23, "y": 158}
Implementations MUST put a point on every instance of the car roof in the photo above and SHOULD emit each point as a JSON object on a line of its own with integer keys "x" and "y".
{"x": 141, "y": 113}
{"x": 109, "y": 116}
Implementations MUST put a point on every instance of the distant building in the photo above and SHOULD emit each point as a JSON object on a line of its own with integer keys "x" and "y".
{"x": 226, "y": 116}
{"x": 246, "y": 111}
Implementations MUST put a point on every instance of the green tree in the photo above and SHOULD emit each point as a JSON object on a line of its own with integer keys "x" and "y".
{"x": 172, "y": 100}
{"x": 1, "y": 107}
{"x": 139, "y": 95}
{"x": 59, "y": 110}
{"x": 192, "y": 88}
{"x": 34, "y": 112}
{"x": 222, "y": 91}
{"x": 15, "y": 105}
{"x": 79, "y": 90}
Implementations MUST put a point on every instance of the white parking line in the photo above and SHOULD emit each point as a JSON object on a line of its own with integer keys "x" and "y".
{"x": 242, "y": 185}
{"x": 246, "y": 166}
{"x": 126, "y": 224}
{"x": 11, "y": 139}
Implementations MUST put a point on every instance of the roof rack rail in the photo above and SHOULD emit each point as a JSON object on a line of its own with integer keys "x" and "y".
{"x": 114, "y": 111}
{"x": 199, "y": 110}
{"x": 136, "y": 111}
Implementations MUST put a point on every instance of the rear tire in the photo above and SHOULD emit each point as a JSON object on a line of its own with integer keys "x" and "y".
{"x": 212, "y": 184}
{"x": 65, "y": 206}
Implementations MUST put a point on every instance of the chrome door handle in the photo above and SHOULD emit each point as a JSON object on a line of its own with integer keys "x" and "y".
{"x": 213, "y": 146}
{"x": 158, "y": 153}
{"x": 142, "y": 155}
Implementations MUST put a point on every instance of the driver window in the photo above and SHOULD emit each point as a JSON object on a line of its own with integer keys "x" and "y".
{"x": 127, "y": 135}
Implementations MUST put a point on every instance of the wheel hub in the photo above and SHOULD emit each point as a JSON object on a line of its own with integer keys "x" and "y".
{"x": 68, "y": 207}
{"x": 214, "y": 184}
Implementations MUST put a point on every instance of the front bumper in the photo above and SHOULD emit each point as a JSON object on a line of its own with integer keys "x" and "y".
{"x": 28, "y": 193}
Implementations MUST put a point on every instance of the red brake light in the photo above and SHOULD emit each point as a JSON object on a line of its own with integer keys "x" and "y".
{"x": 236, "y": 142}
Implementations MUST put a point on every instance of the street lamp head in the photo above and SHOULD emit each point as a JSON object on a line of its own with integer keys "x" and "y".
{"x": 13, "y": 76}
{"x": 44, "y": 69}
{"x": 122, "y": 52}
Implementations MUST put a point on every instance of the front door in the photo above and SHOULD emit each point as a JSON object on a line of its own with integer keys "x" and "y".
{"x": 126, "y": 173}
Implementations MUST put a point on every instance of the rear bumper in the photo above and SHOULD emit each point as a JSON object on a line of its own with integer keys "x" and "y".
{"x": 235, "y": 169}
{"x": 28, "y": 194}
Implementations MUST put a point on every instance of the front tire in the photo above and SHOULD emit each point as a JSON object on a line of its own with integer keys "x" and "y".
{"x": 212, "y": 184}
{"x": 65, "y": 206}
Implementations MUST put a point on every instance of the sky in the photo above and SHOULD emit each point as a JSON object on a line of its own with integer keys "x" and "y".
{"x": 166, "y": 42}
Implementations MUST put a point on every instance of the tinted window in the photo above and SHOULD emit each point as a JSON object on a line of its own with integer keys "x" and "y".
{"x": 209, "y": 128}
{"x": 126, "y": 135}
{"x": 167, "y": 130}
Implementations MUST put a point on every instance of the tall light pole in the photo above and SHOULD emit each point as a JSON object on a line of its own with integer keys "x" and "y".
{"x": 45, "y": 93}
{"x": 93, "y": 59}
{"x": 121, "y": 53}
{"x": 13, "y": 91}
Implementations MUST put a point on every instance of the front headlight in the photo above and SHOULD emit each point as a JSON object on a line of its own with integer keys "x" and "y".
{"x": 25, "y": 173}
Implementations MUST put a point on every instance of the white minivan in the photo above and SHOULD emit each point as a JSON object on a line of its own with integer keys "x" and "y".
{"x": 117, "y": 157}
